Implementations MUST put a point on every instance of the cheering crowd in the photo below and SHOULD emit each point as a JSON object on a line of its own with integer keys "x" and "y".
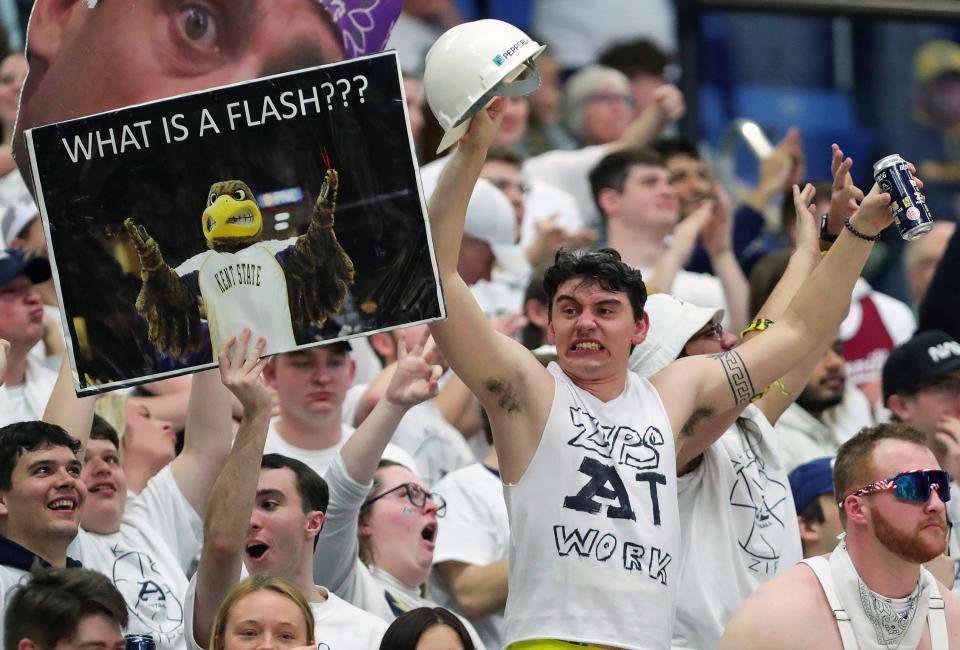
{"x": 655, "y": 415}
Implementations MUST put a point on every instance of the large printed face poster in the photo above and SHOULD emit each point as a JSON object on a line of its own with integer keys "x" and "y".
{"x": 289, "y": 205}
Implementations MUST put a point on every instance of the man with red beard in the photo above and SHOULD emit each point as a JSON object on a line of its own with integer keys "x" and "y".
{"x": 872, "y": 591}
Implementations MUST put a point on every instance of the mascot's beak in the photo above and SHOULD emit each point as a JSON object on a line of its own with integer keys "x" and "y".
{"x": 229, "y": 218}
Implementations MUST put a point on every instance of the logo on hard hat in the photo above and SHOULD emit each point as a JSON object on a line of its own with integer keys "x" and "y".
{"x": 513, "y": 49}
{"x": 498, "y": 60}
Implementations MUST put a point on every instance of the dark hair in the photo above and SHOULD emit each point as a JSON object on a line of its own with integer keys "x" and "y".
{"x": 21, "y": 437}
{"x": 49, "y": 607}
{"x": 602, "y": 267}
{"x": 103, "y": 430}
{"x": 532, "y": 336}
{"x": 507, "y": 155}
{"x": 406, "y": 629}
{"x": 314, "y": 494}
{"x": 813, "y": 512}
{"x": 613, "y": 169}
{"x": 853, "y": 467}
{"x": 635, "y": 58}
{"x": 670, "y": 147}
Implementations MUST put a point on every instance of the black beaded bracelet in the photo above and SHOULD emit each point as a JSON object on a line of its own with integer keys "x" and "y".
{"x": 857, "y": 233}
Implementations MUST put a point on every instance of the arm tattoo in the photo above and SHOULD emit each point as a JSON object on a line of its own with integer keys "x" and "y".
{"x": 740, "y": 383}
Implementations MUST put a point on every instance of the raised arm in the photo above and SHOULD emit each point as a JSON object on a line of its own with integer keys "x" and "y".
{"x": 844, "y": 201}
{"x": 413, "y": 381}
{"x": 667, "y": 107}
{"x": 734, "y": 377}
{"x": 512, "y": 385}
{"x": 682, "y": 243}
{"x": 206, "y": 440}
{"x": 65, "y": 409}
{"x": 234, "y": 491}
{"x": 717, "y": 237}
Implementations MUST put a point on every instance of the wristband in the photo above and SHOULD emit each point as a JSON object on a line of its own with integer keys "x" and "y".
{"x": 778, "y": 383}
{"x": 857, "y": 233}
{"x": 757, "y": 325}
{"x": 824, "y": 233}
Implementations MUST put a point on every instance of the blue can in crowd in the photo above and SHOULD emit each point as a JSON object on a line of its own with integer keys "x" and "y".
{"x": 907, "y": 205}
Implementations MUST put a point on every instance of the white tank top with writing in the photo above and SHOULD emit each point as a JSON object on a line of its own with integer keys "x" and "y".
{"x": 594, "y": 523}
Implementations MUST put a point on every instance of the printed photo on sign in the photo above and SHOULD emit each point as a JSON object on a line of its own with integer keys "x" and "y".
{"x": 289, "y": 205}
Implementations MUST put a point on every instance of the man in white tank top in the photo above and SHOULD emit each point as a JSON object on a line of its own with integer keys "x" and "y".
{"x": 872, "y": 591}
{"x": 588, "y": 451}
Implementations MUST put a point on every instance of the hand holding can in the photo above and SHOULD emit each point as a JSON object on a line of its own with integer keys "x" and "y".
{"x": 907, "y": 204}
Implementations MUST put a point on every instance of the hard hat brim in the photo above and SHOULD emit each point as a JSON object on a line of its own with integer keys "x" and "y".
{"x": 453, "y": 135}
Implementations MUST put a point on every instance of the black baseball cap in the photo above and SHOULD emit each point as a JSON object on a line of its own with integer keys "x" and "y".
{"x": 14, "y": 262}
{"x": 810, "y": 480}
{"x": 925, "y": 356}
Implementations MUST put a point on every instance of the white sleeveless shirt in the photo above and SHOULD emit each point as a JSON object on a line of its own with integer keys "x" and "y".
{"x": 594, "y": 523}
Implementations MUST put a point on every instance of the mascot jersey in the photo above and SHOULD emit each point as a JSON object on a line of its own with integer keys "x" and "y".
{"x": 244, "y": 289}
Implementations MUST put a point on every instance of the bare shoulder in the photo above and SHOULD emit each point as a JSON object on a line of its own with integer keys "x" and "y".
{"x": 789, "y": 611}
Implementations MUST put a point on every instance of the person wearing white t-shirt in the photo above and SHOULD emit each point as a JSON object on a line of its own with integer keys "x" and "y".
{"x": 147, "y": 542}
{"x": 376, "y": 547}
{"x": 473, "y": 542}
{"x": 641, "y": 211}
{"x": 588, "y": 450}
{"x": 311, "y": 385}
{"x": 264, "y": 516}
{"x": 738, "y": 524}
{"x": 570, "y": 170}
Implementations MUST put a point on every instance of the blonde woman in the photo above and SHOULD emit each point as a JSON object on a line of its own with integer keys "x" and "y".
{"x": 263, "y": 611}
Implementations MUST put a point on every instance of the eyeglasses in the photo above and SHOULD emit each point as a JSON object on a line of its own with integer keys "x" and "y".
{"x": 712, "y": 330}
{"x": 914, "y": 486}
{"x": 416, "y": 495}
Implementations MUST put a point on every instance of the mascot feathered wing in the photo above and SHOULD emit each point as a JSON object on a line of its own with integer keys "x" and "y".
{"x": 318, "y": 271}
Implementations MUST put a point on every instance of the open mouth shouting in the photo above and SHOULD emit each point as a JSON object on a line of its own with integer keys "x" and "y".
{"x": 256, "y": 550}
{"x": 429, "y": 533}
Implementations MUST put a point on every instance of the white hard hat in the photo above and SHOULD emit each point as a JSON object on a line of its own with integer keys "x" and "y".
{"x": 470, "y": 65}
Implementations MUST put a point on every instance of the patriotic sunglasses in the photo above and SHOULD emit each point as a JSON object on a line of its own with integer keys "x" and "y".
{"x": 913, "y": 486}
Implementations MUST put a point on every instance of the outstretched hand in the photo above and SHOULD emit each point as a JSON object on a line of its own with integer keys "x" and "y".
{"x": 415, "y": 380}
{"x": 808, "y": 231}
{"x": 845, "y": 197}
{"x": 873, "y": 215}
{"x": 717, "y": 233}
{"x": 484, "y": 126}
{"x": 240, "y": 371}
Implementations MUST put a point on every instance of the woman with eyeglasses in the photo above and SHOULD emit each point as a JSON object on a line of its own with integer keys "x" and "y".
{"x": 376, "y": 547}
